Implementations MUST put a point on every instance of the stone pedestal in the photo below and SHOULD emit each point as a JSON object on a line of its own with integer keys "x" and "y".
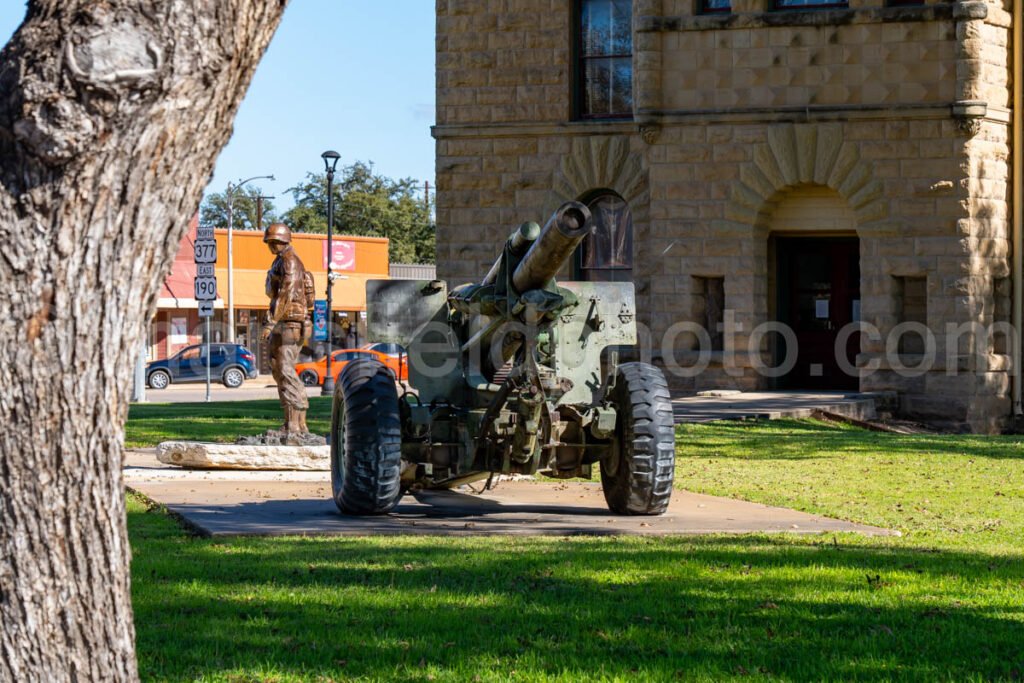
{"x": 243, "y": 457}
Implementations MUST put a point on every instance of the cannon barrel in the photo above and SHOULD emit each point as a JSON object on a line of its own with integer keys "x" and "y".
{"x": 518, "y": 242}
{"x": 566, "y": 228}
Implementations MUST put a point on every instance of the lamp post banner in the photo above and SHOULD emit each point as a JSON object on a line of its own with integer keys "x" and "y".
{"x": 344, "y": 256}
{"x": 320, "y": 320}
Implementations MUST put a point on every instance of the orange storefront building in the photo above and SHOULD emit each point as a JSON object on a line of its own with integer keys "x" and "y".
{"x": 177, "y": 323}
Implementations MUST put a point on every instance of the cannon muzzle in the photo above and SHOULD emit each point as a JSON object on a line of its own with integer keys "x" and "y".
{"x": 558, "y": 240}
{"x": 520, "y": 240}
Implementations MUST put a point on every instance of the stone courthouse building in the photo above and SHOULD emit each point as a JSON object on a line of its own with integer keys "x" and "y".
{"x": 811, "y": 162}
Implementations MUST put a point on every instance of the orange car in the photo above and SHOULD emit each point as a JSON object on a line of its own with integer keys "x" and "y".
{"x": 314, "y": 372}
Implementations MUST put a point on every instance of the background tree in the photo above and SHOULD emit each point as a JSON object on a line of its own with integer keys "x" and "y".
{"x": 214, "y": 210}
{"x": 367, "y": 203}
{"x": 111, "y": 117}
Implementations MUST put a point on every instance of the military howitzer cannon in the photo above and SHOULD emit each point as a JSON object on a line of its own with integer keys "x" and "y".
{"x": 505, "y": 376}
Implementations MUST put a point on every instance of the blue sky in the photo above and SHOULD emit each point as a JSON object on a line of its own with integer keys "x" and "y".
{"x": 349, "y": 75}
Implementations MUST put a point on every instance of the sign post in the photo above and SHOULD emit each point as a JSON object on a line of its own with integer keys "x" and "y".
{"x": 206, "y": 285}
{"x": 139, "y": 387}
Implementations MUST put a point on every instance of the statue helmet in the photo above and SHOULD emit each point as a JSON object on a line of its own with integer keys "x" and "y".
{"x": 277, "y": 232}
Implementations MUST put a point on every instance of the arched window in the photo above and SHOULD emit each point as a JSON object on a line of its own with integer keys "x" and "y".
{"x": 607, "y": 254}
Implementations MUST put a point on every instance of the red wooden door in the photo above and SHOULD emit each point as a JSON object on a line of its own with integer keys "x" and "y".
{"x": 819, "y": 281}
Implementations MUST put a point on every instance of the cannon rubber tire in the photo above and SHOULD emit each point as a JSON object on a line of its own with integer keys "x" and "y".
{"x": 366, "y": 440}
{"x": 637, "y": 477}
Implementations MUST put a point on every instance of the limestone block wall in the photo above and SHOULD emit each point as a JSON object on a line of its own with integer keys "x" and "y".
{"x": 755, "y": 59}
{"x": 901, "y": 120}
{"x": 983, "y": 44}
{"x": 794, "y": 66}
{"x": 502, "y": 60}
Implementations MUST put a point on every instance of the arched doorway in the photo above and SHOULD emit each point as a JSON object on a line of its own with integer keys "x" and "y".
{"x": 814, "y": 266}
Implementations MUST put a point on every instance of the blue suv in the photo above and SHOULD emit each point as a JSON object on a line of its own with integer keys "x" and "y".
{"x": 229, "y": 363}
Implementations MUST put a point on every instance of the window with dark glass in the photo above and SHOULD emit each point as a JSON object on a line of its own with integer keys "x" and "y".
{"x": 709, "y": 308}
{"x": 606, "y": 255}
{"x": 715, "y": 6}
{"x": 606, "y": 58}
{"x": 912, "y": 295}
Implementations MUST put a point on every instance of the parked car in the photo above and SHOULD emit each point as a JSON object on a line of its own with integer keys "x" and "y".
{"x": 389, "y": 348}
{"x": 230, "y": 364}
{"x": 314, "y": 372}
{"x": 396, "y": 352}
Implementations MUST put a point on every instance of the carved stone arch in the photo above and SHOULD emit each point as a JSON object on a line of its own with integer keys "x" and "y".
{"x": 606, "y": 163}
{"x": 602, "y": 163}
{"x": 805, "y": 154}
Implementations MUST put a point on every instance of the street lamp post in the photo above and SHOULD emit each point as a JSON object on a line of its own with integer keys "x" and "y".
{"x": 330, "y": 158}
{"x": 230, "y": 196}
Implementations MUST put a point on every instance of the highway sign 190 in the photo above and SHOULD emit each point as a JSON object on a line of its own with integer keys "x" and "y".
{"x": 206, "y": 288}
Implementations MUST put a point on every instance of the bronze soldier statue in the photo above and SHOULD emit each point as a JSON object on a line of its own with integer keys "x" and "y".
{"x": 288, "y": 326}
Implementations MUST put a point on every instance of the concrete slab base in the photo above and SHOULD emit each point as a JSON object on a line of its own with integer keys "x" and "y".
{"x": 219, "y": 503}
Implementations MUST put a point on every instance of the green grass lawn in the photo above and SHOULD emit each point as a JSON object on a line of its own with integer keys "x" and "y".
{"x": 943, "y": 602}
{"x": 151, "y": 423}
{"x": 944, "y": 489}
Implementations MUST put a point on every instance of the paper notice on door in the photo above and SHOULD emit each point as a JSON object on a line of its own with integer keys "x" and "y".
{"x": 821, "y": 308}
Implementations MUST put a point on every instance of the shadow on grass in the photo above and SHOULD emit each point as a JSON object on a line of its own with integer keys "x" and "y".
{"x": 586, "y": 608}
{"x": 437, "y": 513}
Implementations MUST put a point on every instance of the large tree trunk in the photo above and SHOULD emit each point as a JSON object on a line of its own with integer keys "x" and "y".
{"x": 112, "y": 114}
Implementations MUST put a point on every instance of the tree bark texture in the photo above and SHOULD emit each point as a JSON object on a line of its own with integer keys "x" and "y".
{"x": 112, "y": 113}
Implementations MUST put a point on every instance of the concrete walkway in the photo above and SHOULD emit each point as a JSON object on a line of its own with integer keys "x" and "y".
{"x": 232, "y": 503}
{"x": 262, "y": 387}
{"x": 774, "y": 405}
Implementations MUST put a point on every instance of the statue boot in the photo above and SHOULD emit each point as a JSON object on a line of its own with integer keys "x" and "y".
{"x": 296, "y": 421}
